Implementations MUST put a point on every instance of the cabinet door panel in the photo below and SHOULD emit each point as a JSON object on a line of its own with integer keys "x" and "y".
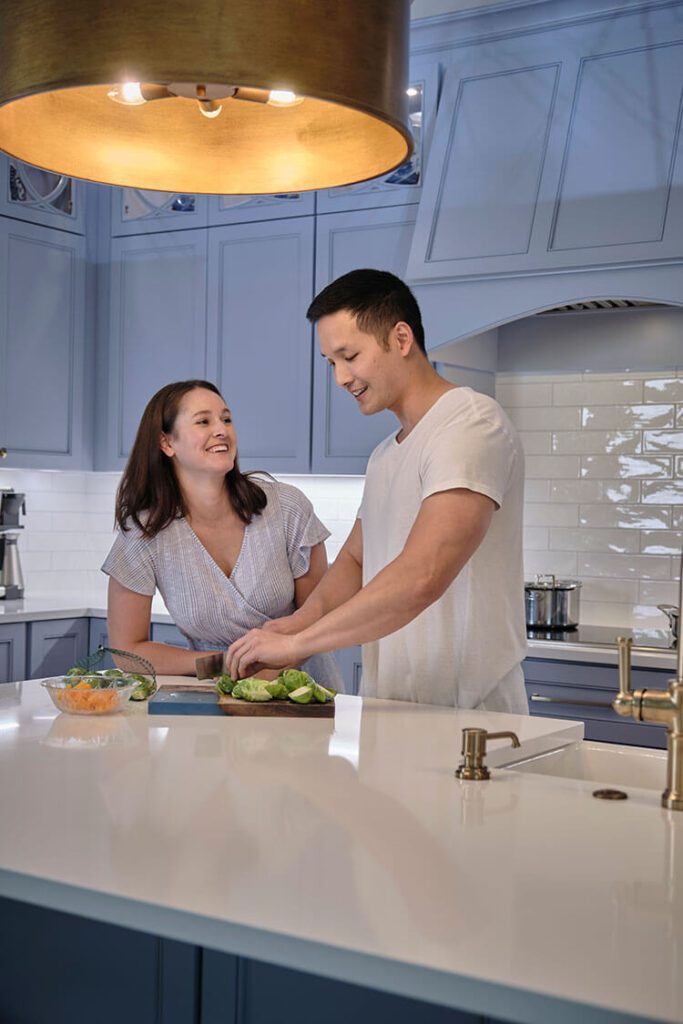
{"x": 12, "y": 652}
{"x": 97, "y": 636}
{"x": 351, "y": 666}
{"x": 246, "y": 209}
{"x": 157, "y": 325}
{"x": 55, "y": 645}
{"x": 138, "y": 212}
{"x": 168, "y": 633}
{"x": 260, "y": 285}
{"x": 41, "y": 197}
{"x": 342, "y": 437}
{"x": 42, "y": 345}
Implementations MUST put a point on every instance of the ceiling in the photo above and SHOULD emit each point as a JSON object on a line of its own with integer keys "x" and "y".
{"x": 429, "y": 8}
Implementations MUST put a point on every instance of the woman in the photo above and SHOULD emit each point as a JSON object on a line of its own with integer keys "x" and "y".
{"x": 227, "y": 553}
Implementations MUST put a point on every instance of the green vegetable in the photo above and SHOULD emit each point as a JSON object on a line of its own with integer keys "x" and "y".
{"x": 225, "y": 684}
{"x": 294, "y": 678}
{"x": 113, "y": 673}
{"x": 276, "y": 689}
{"x": 252, "y": 689}
{"x": 303, "y": 695}
{"x": 321, "y": 693}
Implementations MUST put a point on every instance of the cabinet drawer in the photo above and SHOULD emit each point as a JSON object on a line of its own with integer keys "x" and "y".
{"x": 586, "y": 674}
{"x": 168, "y": 633}
{"x": 55, "y": 645}
{"x": 12, "y": 652}
{"x": 594, "y": 708}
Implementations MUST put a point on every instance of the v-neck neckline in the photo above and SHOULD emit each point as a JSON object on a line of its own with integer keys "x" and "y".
{"x": 210, "y": 557}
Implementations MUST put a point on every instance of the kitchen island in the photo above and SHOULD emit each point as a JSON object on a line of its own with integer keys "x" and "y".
{"x": 301, "y": 870}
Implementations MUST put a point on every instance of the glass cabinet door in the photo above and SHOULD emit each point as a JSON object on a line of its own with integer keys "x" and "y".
{"x": 42, "y": 197}
{"x": 137, "y": 211}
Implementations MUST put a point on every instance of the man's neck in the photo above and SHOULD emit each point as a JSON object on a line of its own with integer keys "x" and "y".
{"x": 423, "y": 389}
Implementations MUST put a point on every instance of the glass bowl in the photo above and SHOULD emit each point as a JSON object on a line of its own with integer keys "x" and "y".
{"x": 89, "y": 695}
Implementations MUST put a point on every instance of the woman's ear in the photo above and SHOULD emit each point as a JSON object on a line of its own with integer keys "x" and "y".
{"x": 166, "y": 446}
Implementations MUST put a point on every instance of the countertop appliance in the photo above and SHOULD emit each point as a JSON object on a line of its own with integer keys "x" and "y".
{"x": 12, "y": 504}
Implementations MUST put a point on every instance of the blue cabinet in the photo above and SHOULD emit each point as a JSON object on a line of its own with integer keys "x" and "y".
{"x": 244, "y": 209}
{"x": 585, "y": 691}
{"x": 136, "y": 211}
{"x": 259, "y": 341}
{"x": 43, "y": 412}
{"x": 404, "y": 184}
{"x": 551, "y": 154}
{"x": 342, "y": 437}
{"x": 41, "y": 197}
{"x": 12, "y": 652}
{"x": 351, "y": 667}
{"x": 156, "y": 327}
{"x": 55, "y": 645}
{"x": 168, "y": 633}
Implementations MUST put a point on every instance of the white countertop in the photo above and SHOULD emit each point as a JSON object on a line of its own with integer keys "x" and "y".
{"x": 349, "y": 849}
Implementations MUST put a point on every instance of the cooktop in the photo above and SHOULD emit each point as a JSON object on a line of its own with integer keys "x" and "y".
{"x": 605, "y": 636}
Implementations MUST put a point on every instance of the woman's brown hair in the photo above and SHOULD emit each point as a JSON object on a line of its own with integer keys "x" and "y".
{"x": 149, "y": 483}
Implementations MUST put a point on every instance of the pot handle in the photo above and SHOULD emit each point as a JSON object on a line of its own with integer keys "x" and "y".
{"x": 670, "y": 610}
{"x": 545, "y": 580}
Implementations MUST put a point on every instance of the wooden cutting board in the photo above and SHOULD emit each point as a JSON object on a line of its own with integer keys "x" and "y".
{"x": 275, "y": 708}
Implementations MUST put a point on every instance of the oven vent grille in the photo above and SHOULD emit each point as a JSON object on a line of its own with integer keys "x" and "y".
{"x": 598, "y": 305}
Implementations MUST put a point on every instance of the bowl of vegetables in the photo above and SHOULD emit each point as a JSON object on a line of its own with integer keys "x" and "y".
{"x": 92, "y": 694}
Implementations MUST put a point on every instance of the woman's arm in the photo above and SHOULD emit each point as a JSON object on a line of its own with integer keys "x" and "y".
{"x": 128, "y": 621}
{"x": 317, "y": 567}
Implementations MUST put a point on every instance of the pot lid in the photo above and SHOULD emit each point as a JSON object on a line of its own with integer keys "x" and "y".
{"x": 551, "y": 582}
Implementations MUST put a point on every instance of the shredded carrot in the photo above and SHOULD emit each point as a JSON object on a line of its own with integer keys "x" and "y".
{"x": 83, "y": 698}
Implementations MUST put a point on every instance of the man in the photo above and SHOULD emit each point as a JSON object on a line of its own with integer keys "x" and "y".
{"x": 430, "y": 579}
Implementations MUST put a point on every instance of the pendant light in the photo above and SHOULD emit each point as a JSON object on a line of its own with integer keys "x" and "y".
{"x": 207, "y": 96}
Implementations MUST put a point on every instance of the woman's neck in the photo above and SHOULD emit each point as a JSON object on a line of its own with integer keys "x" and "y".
{"x": 206, "y": 500}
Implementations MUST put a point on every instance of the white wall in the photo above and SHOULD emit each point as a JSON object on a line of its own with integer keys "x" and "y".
{"x": 69, "y": 525}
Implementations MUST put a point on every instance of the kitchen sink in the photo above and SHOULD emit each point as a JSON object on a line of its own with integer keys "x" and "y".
{"x": 608, "y": 763}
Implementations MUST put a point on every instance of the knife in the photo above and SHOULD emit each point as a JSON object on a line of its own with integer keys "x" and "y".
{"x": 209, "y": 666}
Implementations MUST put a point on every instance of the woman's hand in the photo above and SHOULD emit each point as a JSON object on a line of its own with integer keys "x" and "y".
{"x": 260, "y": 649}
{"x": 286, "y": 625}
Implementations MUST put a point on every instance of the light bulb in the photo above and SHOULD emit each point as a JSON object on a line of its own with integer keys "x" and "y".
{"x": 284, "y": 98}
{"x": 411, "y": 91}
{"x": 128, "y": 93}
{"x": 210, "y": 108}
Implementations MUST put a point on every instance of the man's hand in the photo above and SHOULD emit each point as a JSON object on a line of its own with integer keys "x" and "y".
{"x": 260, "y": 649}
{"x": 285, "y": 625}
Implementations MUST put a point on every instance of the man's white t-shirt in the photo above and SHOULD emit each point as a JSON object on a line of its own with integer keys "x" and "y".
{"x": 465, "y": 650}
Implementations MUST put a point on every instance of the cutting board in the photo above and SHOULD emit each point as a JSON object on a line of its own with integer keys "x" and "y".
{"x": 196, "y": 697}
{"x": 275, "y": 708}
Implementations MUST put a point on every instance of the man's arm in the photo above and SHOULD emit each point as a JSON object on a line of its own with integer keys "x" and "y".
{"x": 448, "y": 530}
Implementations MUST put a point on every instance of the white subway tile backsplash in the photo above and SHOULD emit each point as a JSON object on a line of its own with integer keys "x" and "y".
{"x": 603, "y": 391}
{"x": 668, "y": 492}
{"x": 603, "y": 613}
{"x": 677, "y": 518}
{"x": 625, "y": 466}
{"x": 589, "y": 442}
{"x": 583, "y": 539}
{"x": 515, "y": 393}
{"x": 626, "y": 417}
{"x": 679, "y": 415}
{"x": 594, "y": 491}
{"x": 651, "y": 592}
{"x": 625, "y": 517}
{"x": 663, "y": 441}
{"x": 551, "y": 418}
{"x": 550, "y": 514}
{"x": 661, "y": 542}
{"x": 663, "y": 389}
{"x": 537, "y": 490}
{"x": 535, "y": 442}
{"x": 536, "y": 538}
{"x": 641, "y": 567}
{"x": 679, "y": 465}
{"x": 552, "y": 467}
{"x": 598, "y": 589}
{"x": 559, "y": 563}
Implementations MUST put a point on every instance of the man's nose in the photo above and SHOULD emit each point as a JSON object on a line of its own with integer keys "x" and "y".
{"x": 342, "y": 375}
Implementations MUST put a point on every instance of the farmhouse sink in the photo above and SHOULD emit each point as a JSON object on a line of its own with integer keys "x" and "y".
{"x": 608, "y": 763}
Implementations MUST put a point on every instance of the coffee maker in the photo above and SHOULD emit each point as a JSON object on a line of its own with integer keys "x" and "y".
{"x": 12, "y": 503}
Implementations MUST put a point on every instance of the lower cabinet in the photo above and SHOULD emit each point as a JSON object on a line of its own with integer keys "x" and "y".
{"x": 585, "y": 691}
{"x": 12, "y": 652}
{"x": 54, "y": 645}
{"x": 350, "y": 666}
{"x": 170, "y": 982}
{"x": 167, "y": 633}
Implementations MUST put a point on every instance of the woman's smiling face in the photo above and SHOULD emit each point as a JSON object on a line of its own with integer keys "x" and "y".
{"x": 203, "y": 437}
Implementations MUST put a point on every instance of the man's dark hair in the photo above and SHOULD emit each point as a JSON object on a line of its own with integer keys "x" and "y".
{"x": 376, "y": 298}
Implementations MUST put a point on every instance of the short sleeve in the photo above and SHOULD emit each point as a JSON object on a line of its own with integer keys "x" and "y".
{"x": 473, "y": 449}
{"x": 130, "y": 562}
{"x": 303, "y": 529}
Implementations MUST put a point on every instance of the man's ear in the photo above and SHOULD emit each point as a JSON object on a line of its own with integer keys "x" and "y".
{"x": 166, "y": 446}
{"x": 404, "y": 336}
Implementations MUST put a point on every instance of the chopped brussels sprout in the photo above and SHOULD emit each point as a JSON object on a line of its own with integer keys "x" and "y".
{"x": 303, "y": 695}
{"x": 293, "y": 678}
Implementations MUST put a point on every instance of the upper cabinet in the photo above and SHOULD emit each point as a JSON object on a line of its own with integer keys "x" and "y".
{"x": 43, "y": 393}
{"x": 41, "y": 197}
{"x": 342, "y": 437}
{"x": 259, "y": 341}
{"x": 403, "y": 185}
{"x": 155, "y": 329}
{"x": 559, "y": 150}
{"x": 241, "y": 209}
{"x": 136, "y": 211}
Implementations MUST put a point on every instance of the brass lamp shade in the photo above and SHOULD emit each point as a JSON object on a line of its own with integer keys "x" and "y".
{"x": 347, "y": 59}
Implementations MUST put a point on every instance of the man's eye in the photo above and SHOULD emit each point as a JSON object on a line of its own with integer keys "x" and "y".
{"x": 350, "y": 359}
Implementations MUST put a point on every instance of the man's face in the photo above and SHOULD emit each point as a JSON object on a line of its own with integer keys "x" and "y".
{"x": 361, "y": 365}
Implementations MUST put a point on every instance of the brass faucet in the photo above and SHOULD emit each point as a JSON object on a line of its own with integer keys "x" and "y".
{"x": 662, "y": 706}
{"x": 472, "y": 767}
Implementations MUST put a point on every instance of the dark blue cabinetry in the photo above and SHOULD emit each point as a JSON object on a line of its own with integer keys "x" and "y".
{"x": 12, "y": 652}
{"x": 41, "y": 197}
{"x": 580, "y": 690}
{"x": 54, "y": 645}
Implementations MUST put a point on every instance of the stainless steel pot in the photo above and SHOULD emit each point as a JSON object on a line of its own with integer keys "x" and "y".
{"x": 552, "y": 603}
{"x": 672, "y": 613}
